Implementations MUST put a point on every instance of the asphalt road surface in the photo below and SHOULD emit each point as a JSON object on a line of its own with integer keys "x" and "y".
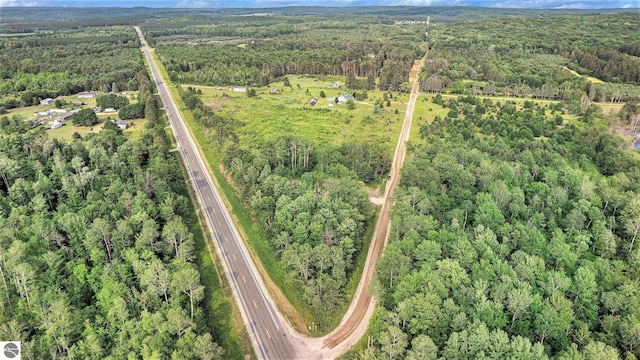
{"x": 272, "y": 337}
{"x": 268, "y": 332}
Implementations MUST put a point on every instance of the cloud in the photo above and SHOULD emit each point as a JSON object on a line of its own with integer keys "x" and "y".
{"x": 19, "y": 3}
{"x": 572, "y": 6}
{"x": 627, "y": 6}
{"x": 193, "y": 4}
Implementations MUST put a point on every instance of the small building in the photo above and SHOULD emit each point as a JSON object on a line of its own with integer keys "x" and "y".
{"x": 238, "y": 90}
{"x": 55, "y": 124}
{"x": 123, "y": 125}
{"x": 64, "y": 117}
{"x": 57, "y": 111}
{"x": 47, "y": 101}
{"x": 274, "y": 91}
{"x": 42, "y": 113}
{"x": 345, "y": 97}
{"x": 78, "y": 103}
{"x": 86, "y": 95}
{"x": 109, "y": 110}
{"x": 336, "y": 85}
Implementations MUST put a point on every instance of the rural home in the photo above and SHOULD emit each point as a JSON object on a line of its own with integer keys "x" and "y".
{"x": 109, "y": 110}
{"x": 42, "y": 113}
{"x": 86, "y": 95}
{"x": 57, "y": 111}
{"x": 47, "y": 101}
{"x": 55, "y": 124}
{"x": 78, "y": 103}
{"x": 239, "y": 90}
{"x": 344, "y": 97}
{"x": 64, "y": 117}
{"x": 122, "y": 124}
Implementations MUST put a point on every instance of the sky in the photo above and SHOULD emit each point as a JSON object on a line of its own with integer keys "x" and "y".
{"x": 537, "y": 4}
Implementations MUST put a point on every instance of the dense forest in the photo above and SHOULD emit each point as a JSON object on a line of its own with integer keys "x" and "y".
{"x": 525, "y": 57}
{"x": 514, "y": 236}
{"x": 65, "y": 62}
{"x": 97, "y": 257}
{"x": 259, "y": 50}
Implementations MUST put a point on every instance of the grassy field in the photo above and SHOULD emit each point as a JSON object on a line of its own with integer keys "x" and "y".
{"x": 66, "y": 132}
{"x": 290, "y": 113}
{"x": 28, "y": 111}
{"x": 424, "y": 113}
{"x": 590, "y": 78}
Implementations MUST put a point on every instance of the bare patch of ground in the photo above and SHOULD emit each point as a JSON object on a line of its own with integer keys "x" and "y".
{"x": 375, "y": 197}
{"x": 214, "y": 105}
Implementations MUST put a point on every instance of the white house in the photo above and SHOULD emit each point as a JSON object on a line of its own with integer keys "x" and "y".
{"x": 47, "y": 101}
{"x": 240, "y": 90}
{"x": 110, "y": 110}
{"x": 55, "y": 124}
{"x": 86, "y": 95}
{"x": 122, "y": 124}
{"x": 344, "y": 97}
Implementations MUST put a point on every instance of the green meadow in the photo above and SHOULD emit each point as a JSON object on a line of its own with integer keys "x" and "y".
{"x": 289, "y": 112}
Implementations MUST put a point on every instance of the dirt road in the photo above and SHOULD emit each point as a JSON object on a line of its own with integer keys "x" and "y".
{"x": 356, "y": 320}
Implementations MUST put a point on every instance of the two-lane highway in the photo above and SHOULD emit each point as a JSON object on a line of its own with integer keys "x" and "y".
{"x": 268, "y": 331}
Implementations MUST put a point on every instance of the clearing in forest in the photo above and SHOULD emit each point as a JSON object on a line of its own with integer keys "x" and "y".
{"x": 301, "y": 110}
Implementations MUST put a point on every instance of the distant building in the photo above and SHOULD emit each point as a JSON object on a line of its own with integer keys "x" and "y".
{"x": 64, "y": 117}
{"x": 42, "y": 113}
{"x": 57, "y": 111}
{"x": 109, "y": 110}
{"x": 78, "y": 103}
{"x": 86, "y": 95}
{"x": 239, "y": 90}
{"x": 122, "y": 124}
{"x": 336, "y": 85}
{"x": 55, "y": 124}
{"x": 274, "y": 91}
{"x": 47, "y": 101}
{"x": 344, "y": 97}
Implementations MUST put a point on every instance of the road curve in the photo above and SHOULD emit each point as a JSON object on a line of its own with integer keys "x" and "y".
{"x": 271, "y": 335}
